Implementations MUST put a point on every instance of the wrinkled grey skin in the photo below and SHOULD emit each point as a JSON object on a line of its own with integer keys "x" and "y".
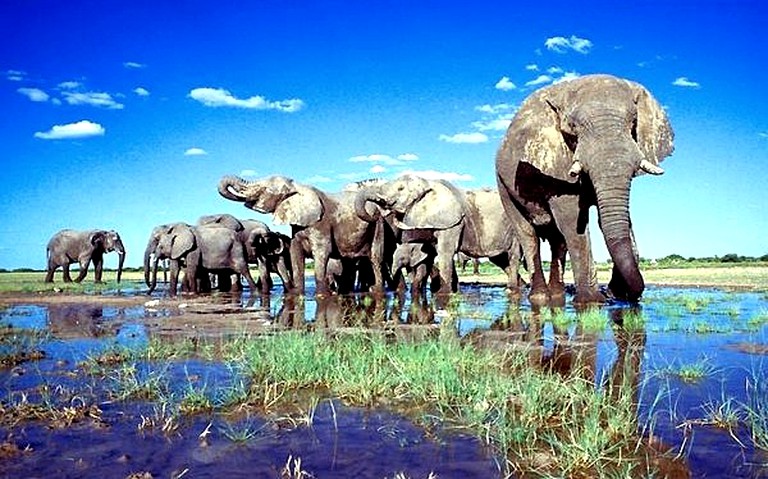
{"x": 70, "y": 246}
{"x": 152, "y": 257}
{"x": 571, "y": 146}
{"x": 417, "y": 259}
{"x": 322, "y": 225}
{"x": 471, "y": 222}
{"x": 198, "y": 251}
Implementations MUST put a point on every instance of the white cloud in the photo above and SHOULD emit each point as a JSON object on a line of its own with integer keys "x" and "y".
{"x": 562, "y": 44}
{"x": 505, "y": 84}
{"x": 141, "y": 91}
{"x": 34, "y": 94}
{"x": 532, "y": 67}
{"x": 439, "y": 175}
{"x": 475, "y": 137}
{"x": 495, "y": 109}
{"x": 15, "y": 75}
{"x": 195, "y": 152}
{"x": 497, "y": 124}
{"x": 540, "y": 80}
{"x": 568, "y": 76}
{"x": 80, "y": 129}
{"x": 219, "y": 97}
{"x": 685, "y": 82}
{"x": 763, "y": 134}
{"x": 408, "y": 157}
{"x": 385, "y": 159}
{"x": 377, "y": 169}
{"x": 134, "y": 65}
{"x": 98, "y": 99}
{"x": 69, "y": 85}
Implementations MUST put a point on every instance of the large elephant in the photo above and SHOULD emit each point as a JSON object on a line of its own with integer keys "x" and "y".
{"x": 69, "y": 246}
{"x": 571, "y": 146}
{"x": 323, "y": 225}
{"x": 200, "y": 250}
{"x": 471, "y": 222}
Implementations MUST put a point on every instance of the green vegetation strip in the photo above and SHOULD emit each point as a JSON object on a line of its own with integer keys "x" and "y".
{"x": 545, "y": 423}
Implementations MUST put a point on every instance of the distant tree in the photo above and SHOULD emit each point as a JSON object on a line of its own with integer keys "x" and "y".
{"x": 764, "y": 257}
{"x": 673, "y": 258}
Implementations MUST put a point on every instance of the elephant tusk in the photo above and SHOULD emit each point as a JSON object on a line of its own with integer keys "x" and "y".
{"x": 649, "y": 167}
{"x": 575, "y": 169}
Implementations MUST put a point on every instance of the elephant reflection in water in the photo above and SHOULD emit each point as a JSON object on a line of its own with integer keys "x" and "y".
{"x": 67, "y": 321}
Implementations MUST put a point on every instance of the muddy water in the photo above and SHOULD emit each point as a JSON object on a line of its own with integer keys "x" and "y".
{"x": 719, "y": 332}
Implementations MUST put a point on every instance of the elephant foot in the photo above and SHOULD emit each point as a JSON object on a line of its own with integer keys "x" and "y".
{"x": 588, "y": 296}
{"x": 539, "y": 294}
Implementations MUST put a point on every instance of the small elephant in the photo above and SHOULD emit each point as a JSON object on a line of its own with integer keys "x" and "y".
{"x": 274, "y": 250}
{"x": 69, "y": 246}
{"x": 575, "y": 145}
{"x": 321, "y": 225}
{"x": 463, "y": 259}
{"x": 418, "y": 261}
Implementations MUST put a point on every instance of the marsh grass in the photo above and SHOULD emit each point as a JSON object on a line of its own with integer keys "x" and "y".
{"x": 18, "y": 346}
{"x": 756, "y": 408}
{"x": 690, "y": 372}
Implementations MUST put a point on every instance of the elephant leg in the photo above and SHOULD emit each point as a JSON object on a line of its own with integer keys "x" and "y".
{"x": 377, "y": 258}
{"x": 65, "y": 273}
{"x": 173, "y": 278}
{"x": 297, "y": 264}
{"x": 321, "y": 266}
{"x": 285, "y": 274}
{"x": 51, "y": 269}
{"x": 98, "y": 268}
{"x": 447, "y": 245}
{"x": 531, "y": 246}
{"x": 558, "y": 250}
{"x": 419, "y": 280}
{"x": 265, "y": 279}
{"x": 566, "y": 212}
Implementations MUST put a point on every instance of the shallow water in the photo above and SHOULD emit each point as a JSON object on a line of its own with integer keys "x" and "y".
{"x": 721, "y": 332}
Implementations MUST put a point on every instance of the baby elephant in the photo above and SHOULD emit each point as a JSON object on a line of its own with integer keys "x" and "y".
{"x": 70, "y": 246}
{"x": 418, "y": 261}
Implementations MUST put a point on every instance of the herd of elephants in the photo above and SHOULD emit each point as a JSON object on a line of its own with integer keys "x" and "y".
{"x": 570, "y": 146}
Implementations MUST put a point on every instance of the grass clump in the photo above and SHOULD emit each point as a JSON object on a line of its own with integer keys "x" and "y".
{"x": 561, "y": 425}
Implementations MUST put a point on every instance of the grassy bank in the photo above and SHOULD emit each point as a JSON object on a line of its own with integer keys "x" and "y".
{"x": 744, "y": 275}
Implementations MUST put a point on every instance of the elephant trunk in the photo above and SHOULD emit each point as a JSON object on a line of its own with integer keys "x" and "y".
{"x": 147, "y": 254}
{"x": 120, "y": 263}
{"x": 231, "y": 187}
{"x": 361, "y": 204}
{"x": 153, "y": 283}
{"x": 613, "y": 210}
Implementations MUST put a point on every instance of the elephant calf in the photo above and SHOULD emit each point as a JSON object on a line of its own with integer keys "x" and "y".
{"x": 69, "y": 246}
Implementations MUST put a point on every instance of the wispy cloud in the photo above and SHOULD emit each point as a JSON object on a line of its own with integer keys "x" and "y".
{"x": 763, "y": 134}
{"x": 686, "y": 83}
{"x": 563, "y": 45}
{"x": 377, "y": 169}
{"x": 34, "y": 94}
{"x": 505, "y": 84}
{"x": 539, "y": 80}
{"x": 219, "y": 97}
{"x": 248, "y": 173}
{"x": 141, "y": 91}
{"x": 97, "y": 99}
{"x": 195, "y": 152}
{"x": 385, "y": 159}
{"x": 70, "y": 85}
{"x": 134, "y": 65}
{"x": 532, "y": 67}
{"x": 80, "y": 129}
{"x": 474, "y": 137}
{"x": 439, "y": 175}
{"x": 15, "y": 75}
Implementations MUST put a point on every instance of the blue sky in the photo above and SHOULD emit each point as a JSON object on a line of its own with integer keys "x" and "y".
{"x": 125, "y": 116}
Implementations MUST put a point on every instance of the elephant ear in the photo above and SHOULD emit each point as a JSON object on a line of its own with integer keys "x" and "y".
{"x": 538, "y": 133}
{"x": 439, "y": 208}
{"x": 653, "y": 132}
{"x": 419, "y": 256}
{"x": 97, "y": 237}
{"x": 183, "y": 241}
{"x": 303, "y": 208}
